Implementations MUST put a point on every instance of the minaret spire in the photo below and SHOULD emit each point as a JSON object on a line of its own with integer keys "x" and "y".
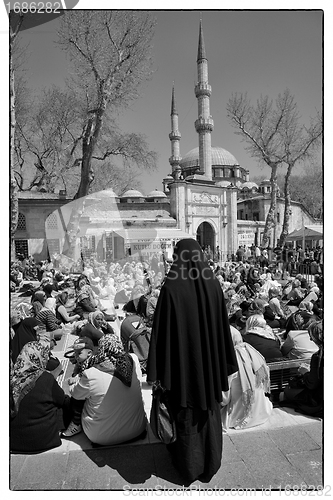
{"x": 204, "y": 125}
{"x": 173, "y": 101}
{"x": 174, "y": 137}
{"x": 201, "y": 46}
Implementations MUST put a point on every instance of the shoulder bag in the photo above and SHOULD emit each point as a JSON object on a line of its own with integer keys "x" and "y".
{"x": 162, "y": 422}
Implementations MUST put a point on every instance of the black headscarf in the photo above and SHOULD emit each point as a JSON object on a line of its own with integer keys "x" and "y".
{"x": 191, "y": 351}
{"x": 25, "y": 331}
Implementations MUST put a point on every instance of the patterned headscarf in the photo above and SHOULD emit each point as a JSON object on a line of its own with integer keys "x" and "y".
{"x": 83, "y": 292}
{"x": 111, "y": 357}
{"x": 257, "y": 324}
{"x": 29, "y": 366}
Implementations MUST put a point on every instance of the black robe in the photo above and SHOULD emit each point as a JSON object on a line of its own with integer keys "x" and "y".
{"x": 191, "y": 354}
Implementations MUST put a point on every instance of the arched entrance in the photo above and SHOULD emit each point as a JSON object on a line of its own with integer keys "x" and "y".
{"x": 206, "y": 236}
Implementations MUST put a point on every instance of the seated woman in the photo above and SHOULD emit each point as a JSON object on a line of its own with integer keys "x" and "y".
{"x": 61, "y": 311}
{"x": 245, "y": 404}
{"x": 298, "y": 345}
{"x": 50, "y": 301}
{"x": 135, "y": 337}
{"x": 46, "y": 316}
{"x": 253, "y": 279}
{"x": 299, "y": 320}
{"x": 296, "y": 295}
{"x": 306, "y": 392}
{"x": 306, "y": 311}
{"x": 36, "y": 401}
{"x": 96, "y": 327}
{"x": 261, "y": 337}
{"x": 28, "y": 330}
{"x": 113, "y": 411}
{"x": 24, "y": 332}
{"x": 274, "y": 303}
{"x": 86, "y": 301}
{"x": 262, "y": 307}
{"x": 312, "y": 296}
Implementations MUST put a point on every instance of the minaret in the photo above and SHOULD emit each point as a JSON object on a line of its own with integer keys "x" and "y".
{"x": 174, "y": 137}
{"x": 204, "y": 125}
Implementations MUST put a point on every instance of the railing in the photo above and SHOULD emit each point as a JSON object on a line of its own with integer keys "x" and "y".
{"x": 282, "y": 371}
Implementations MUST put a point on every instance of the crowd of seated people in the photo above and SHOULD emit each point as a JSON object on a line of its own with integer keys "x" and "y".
{"x": 269, "y": 322}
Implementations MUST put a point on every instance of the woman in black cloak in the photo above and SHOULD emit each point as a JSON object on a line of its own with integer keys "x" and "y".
{"x": 191, "y": 354}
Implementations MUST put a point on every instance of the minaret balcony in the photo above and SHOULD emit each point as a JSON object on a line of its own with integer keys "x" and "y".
{"x": 202, "y": 89}
{"x": 204, "y": 124}
{"x": 175, "y": 136}
{"x": 175, "y": 160}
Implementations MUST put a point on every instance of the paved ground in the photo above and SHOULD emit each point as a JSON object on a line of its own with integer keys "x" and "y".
{"x": 269, "y": 456}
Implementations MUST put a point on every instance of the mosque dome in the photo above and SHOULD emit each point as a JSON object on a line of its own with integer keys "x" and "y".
{"x": 220, "y": 157}
{"x": 132, "y": 193}
{"x": 249, "y": 185}
{"x": 156, "y": 194}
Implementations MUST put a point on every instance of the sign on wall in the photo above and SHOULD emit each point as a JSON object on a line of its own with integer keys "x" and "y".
{"x": 246, "y": 239}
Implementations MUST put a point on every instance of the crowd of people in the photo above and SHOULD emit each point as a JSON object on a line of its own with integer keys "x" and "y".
{"x": 206, "y": 331}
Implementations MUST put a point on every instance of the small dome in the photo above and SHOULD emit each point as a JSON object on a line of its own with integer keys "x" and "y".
{"x": 132, "y": 193}
{"x": 249, "y": 185}
{"x": 222, "y": 184}
{"x": 156, "y": 194}
{"x": 168, "y": 178}
{"x": 220, "y": 157}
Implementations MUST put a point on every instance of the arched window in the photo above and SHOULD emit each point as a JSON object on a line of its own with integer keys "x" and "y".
{"x": 21, "y": 223}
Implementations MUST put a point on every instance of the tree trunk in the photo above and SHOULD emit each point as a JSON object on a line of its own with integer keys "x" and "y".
{"x": 287, "y": 207}
{"x": 271, "y": 216}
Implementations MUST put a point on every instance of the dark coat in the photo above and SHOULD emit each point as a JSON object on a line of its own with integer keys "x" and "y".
{"x": 36, "y": 425}
{"x": 269, "y": 348}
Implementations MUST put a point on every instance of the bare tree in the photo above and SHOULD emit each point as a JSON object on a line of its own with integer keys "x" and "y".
{"x": 307, "y": 188}
{"x": 111, "y": 56}
{"x": 48, "y": 156}
{"x": 299, "y": 143}
{"x": 44, "y": 141}
{"x": 273, "y": 135}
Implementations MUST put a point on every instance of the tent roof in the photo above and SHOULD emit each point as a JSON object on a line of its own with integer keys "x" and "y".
{"x": 309, "y": 233}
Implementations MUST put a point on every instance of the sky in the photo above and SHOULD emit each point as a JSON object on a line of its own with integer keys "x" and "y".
{"x": 258, "y": 52}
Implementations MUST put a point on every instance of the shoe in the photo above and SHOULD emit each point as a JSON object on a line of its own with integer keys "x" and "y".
{"x": 72, "y": 430}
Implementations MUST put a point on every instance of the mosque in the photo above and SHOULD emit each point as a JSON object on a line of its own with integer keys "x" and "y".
{"x": 207, "y": 195}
